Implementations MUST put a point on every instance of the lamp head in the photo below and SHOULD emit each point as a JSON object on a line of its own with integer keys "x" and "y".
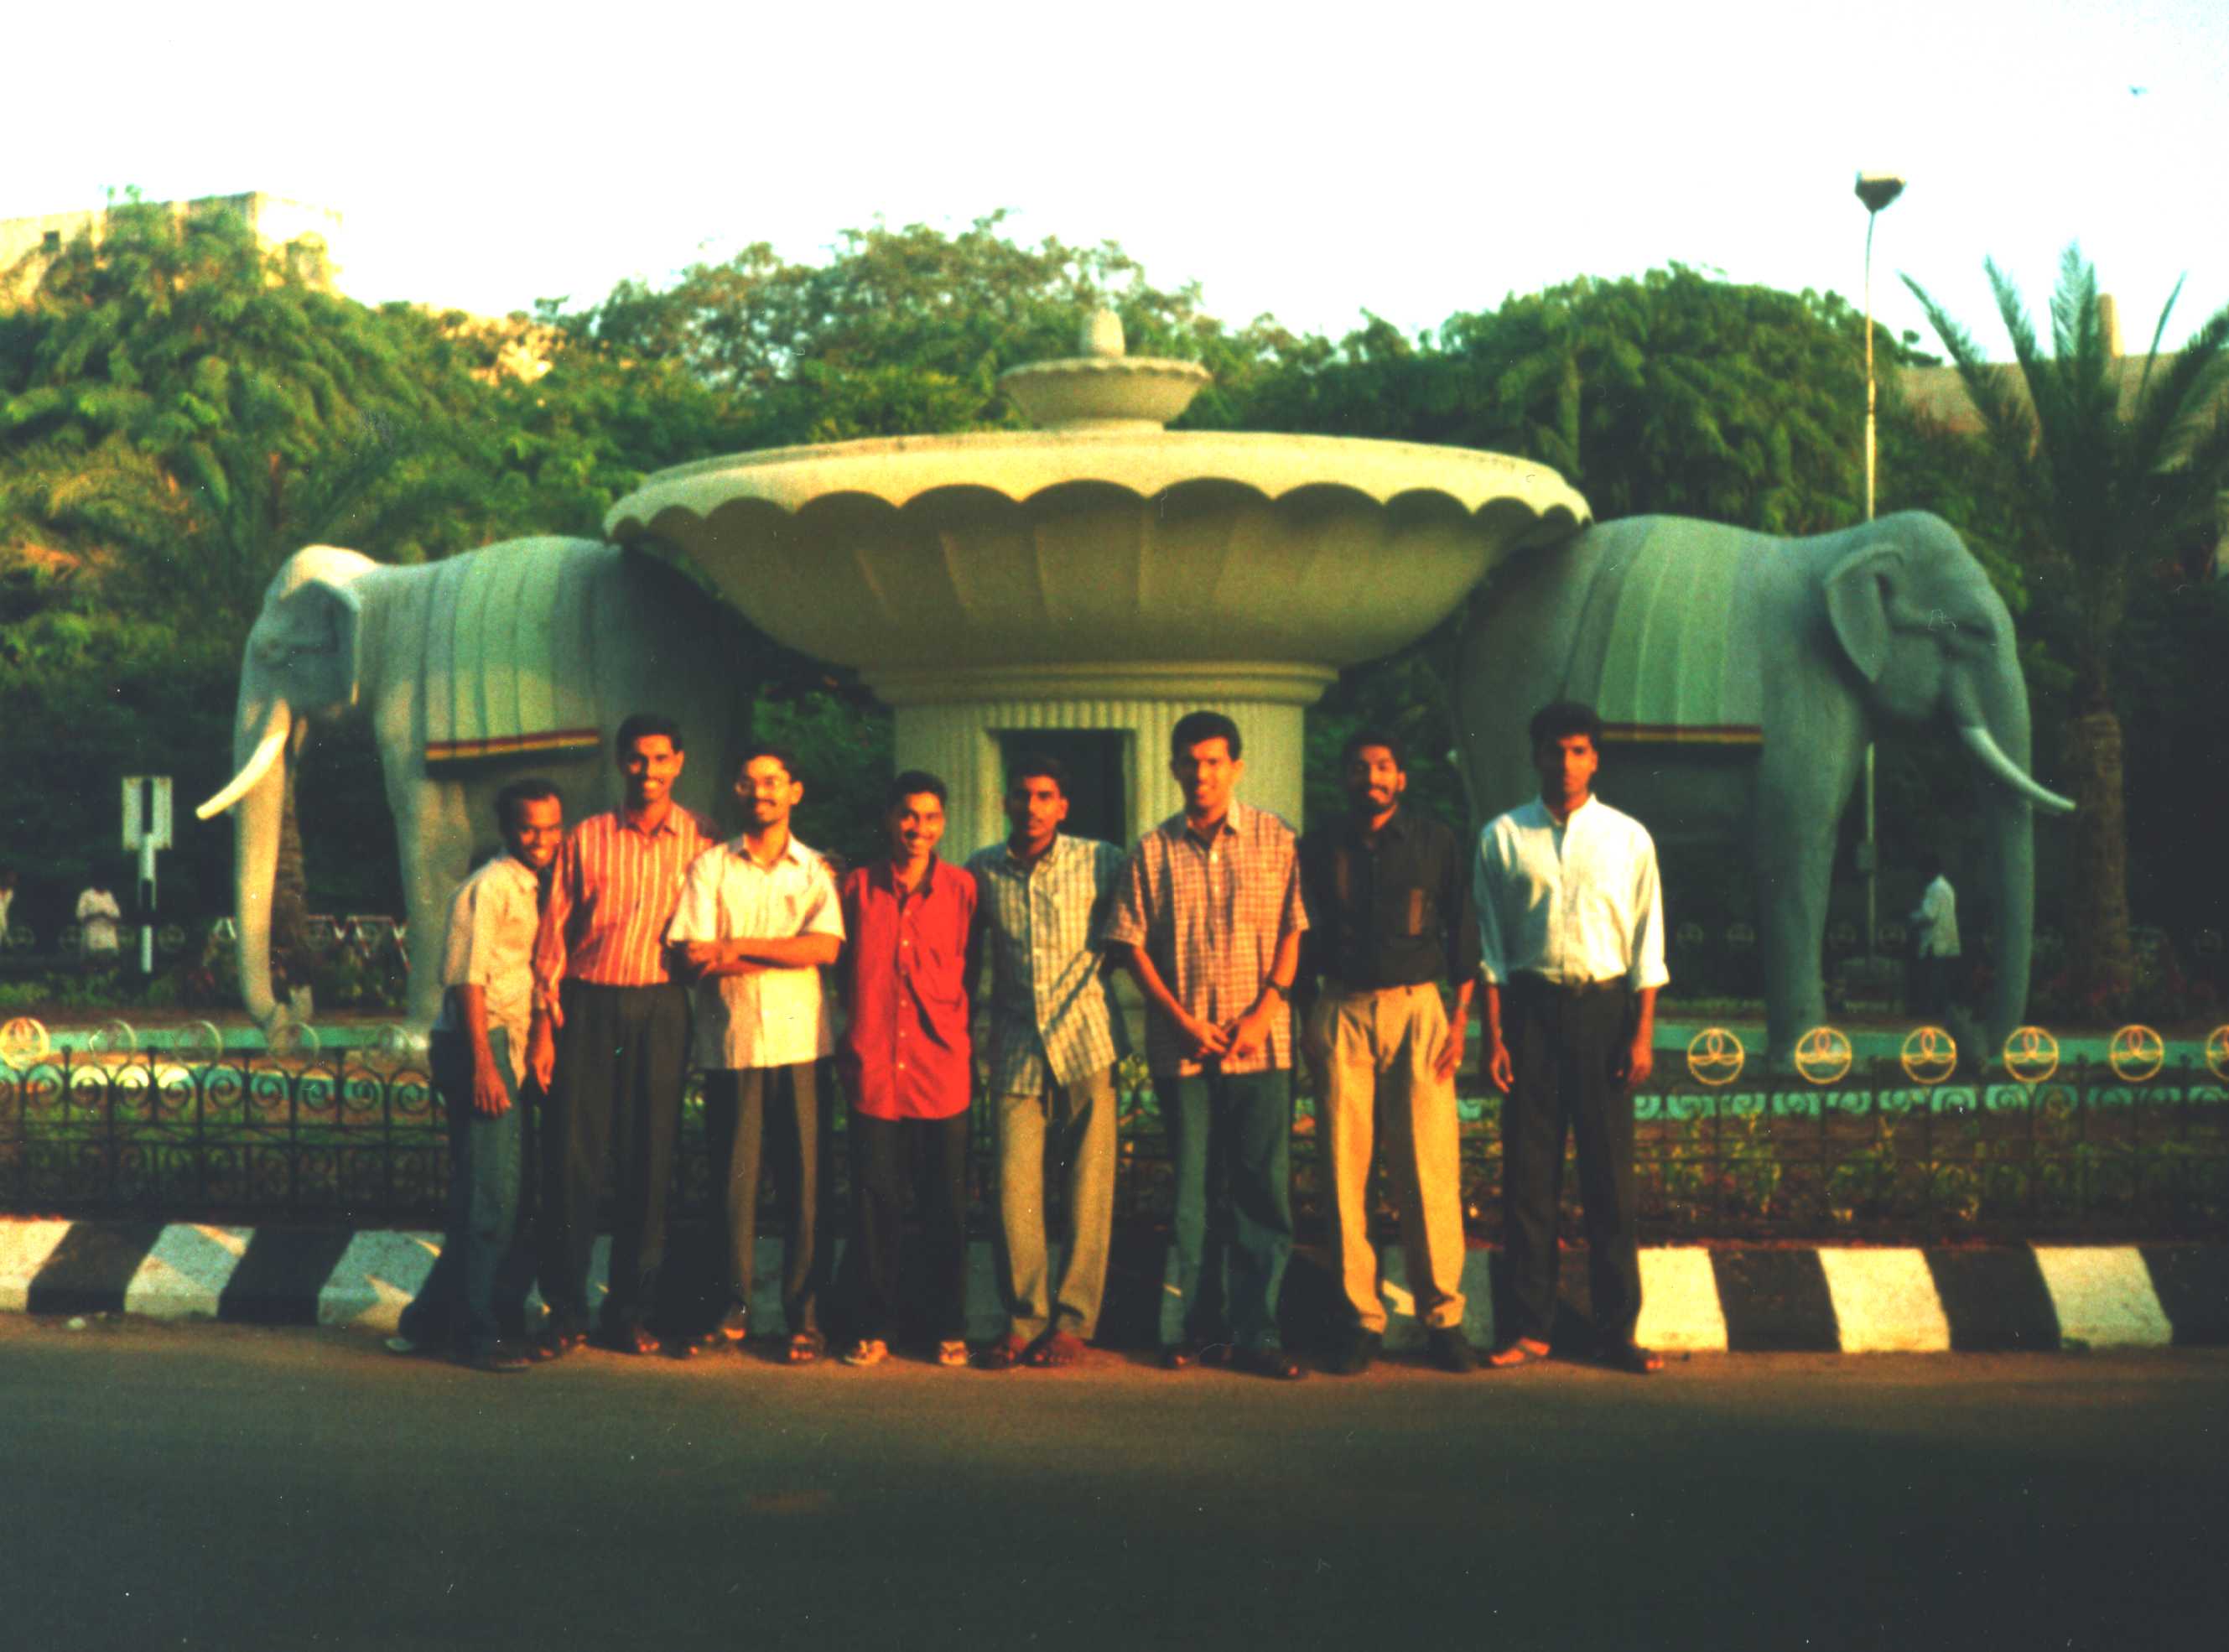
{"x": 1877, "y": 190}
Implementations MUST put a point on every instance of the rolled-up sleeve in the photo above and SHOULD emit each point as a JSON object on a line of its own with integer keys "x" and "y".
{"x": 1126, "y": 925}
{"x": 1647, "y": 969}
{"x": 1493, "y": 957}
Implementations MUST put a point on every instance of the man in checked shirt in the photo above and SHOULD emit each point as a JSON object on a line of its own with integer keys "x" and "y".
{"x": 1046, "y": 899}
{"x": 621, "y": 1031}
{"x": 1210, "y": 915}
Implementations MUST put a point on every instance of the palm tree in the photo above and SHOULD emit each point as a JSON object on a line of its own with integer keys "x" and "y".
{"x": 2109, "y": 478}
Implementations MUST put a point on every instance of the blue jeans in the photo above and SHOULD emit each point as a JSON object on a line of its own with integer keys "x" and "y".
{"x": 486, "y": 1158}
{"x": 1228, "y": 1132}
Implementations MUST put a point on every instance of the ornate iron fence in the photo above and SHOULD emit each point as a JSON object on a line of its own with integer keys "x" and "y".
{"x": 1874, "y": 1154}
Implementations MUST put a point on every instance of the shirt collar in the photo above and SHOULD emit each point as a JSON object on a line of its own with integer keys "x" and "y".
{"x": 1396, "y": 827}
{"x": 794, "y": 852}
{"x": 672, "y": 824}
{"x": 888, "y": 873}
{"x": 1233, "y": 823}
{"x": 1054, "y": 850}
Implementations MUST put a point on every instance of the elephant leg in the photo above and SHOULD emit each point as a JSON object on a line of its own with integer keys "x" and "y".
{"x": 1796, "y": 821}
{"x": 433, "y": 842}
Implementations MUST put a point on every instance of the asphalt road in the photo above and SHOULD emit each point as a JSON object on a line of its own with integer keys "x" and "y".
{"x": 206, "y": 1485}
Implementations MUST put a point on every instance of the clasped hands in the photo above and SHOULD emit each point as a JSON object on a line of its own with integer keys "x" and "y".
{"x": 1239, "y": 1040}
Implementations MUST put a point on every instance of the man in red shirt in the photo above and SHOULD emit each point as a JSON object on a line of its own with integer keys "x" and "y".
{"x": 621, "y": 1025}
{"x": 907, "y": 1068}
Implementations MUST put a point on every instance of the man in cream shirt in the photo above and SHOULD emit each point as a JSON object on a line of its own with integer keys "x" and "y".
{"x": 1570, "y": 921}
{"x": 758, "y": 919}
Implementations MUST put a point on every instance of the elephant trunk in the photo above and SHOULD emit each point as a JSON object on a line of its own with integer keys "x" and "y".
{"x": 257, "y": 796}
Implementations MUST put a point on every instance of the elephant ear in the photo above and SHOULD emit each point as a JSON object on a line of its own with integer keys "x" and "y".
{"x": 1860, "y": 596}
{"x": 319, "y": 628}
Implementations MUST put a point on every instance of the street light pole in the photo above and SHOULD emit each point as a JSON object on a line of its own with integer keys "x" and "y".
{"x": 1876, "y": 189}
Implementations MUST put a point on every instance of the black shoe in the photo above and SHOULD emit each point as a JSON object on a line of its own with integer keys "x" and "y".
{"x": 555, "y": 1342}
{"x": 1179, "y": 1356}
{"x": 634, "y": 1339}
{"x": 730, "y": 1330}
{"x": 1450, "y": 1350}
{"x": 1352, "y": 1357}
{"x": 498, "y": 1359}
{"x": 1273, "y": 1363}
{"x": 1631, "y": 1358}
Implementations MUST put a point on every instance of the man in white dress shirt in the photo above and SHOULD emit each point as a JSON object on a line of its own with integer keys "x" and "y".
{"x": 758, "y": 918}
{"x": 1570, "y": 921}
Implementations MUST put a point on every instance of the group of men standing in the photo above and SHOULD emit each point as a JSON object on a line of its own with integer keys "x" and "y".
{"x": 641, "y": 946}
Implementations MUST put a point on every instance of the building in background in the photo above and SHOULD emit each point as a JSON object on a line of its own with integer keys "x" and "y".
{"x": 276, "y": 219}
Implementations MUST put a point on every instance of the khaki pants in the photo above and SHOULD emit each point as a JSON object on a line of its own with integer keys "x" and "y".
{"x": 1373, "y": 1051}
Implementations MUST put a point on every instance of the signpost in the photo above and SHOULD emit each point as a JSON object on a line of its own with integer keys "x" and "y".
{"x": 146, "y": 828}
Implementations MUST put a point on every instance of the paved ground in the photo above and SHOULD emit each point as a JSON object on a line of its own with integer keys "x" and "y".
{"x": 209, "y": 1485}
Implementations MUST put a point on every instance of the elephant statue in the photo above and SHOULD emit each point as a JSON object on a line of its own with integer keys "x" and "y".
{"x": 1739, "y": 678}
{"x": 518, "y": 658}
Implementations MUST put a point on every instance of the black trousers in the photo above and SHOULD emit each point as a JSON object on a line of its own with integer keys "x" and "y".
{"x": 617, "y": 1095}
{"x": 929, "y": 1156}
{"x": 783, "y": 1113}
{"x": 1561, "y": 1046}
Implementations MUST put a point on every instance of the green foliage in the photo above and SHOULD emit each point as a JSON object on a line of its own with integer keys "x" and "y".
{"x": 1669, "y": 392}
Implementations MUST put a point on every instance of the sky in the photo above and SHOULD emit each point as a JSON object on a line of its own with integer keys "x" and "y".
{"x": 1408, "y": 159}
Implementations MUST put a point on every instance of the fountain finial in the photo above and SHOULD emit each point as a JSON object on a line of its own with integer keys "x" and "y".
{"x": 1101, "y": 335}
{"x": 1102, "y": 388}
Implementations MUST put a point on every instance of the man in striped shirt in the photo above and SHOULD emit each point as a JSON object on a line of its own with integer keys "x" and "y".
{"x": 1045, "y": 902}
{"x": 1211, "y": 917}
{"x": 621, "y": 1026}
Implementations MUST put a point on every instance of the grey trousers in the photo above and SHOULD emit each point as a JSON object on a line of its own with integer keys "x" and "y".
{"x": 1078, "y": 1122}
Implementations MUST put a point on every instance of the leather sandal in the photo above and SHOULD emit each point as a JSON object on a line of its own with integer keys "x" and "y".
{"x": 1520, "y": 1350}
{"x": 806, "y": 1346}
{"x": 1007, "y": 1353}
{"x": 1056, "y": 1349}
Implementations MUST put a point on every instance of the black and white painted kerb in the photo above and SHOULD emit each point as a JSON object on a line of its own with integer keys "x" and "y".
{"x": 1820, "y": 1299}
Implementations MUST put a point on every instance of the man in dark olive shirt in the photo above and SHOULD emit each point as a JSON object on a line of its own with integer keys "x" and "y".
{"x": 1390, "y": 921}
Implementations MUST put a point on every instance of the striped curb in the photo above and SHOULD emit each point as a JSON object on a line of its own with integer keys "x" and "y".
{"x": 1822, "y": 1299}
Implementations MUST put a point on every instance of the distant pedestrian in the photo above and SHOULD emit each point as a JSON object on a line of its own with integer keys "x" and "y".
{"x": 759, "y": 918}
{"x": 601, "y": 982}
{"x": 1390, "y": 922}
{"x": 97, "y": 915}
{"x": 1570, "y": 919}
{"x": 1935, "y": 948}
{"x": 479, "y": 1060}
{"x": 908, "y": 1064}
{"x": 1046, "y": 898}
{"x": 1210, "y": 915}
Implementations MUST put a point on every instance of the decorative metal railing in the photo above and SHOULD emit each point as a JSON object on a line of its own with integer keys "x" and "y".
{"x": 1869, "y": 1152}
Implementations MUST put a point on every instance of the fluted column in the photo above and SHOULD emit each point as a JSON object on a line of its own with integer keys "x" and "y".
{"x": 950, "y": 723}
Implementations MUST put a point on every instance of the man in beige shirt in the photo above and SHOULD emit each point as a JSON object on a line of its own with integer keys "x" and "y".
{"x": 478, "y": 1059}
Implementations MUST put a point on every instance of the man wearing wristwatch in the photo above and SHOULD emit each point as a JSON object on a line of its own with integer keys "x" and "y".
{"x": 1210, "y": 915}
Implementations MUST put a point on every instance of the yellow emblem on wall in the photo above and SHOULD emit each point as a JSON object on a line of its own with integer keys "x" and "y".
{"x": 1715, "y": 1056}
{"x": 2217, "y": 1052}
{"x": 1822, "y": 1055}
{"x": 2136, "y": 1053}
{"x": 1930, "y": 1054}
{"x": 2031, "y": 1054}
{"x": 22, "y": 1039}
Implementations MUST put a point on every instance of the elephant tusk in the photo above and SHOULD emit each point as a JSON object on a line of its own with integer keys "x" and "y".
{"x": 252, "y": 772}
{"x": 1992, "y": 757}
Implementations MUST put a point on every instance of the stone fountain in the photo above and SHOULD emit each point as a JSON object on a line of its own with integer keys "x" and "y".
{"x": 1098, "y": 577}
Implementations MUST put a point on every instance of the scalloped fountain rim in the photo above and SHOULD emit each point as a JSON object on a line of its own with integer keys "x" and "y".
{"x": 1020, "y": 465}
